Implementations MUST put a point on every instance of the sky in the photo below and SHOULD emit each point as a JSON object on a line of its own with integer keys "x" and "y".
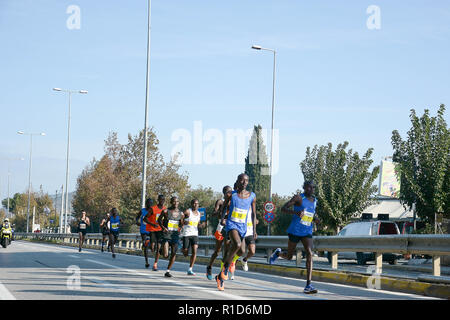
{"x": 344, "y": 72}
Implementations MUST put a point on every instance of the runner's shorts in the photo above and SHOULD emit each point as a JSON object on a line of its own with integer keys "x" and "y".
{"x": 189, "y": 241}
{"x": 249, "y": 240}
{"x": 296, "y": 239}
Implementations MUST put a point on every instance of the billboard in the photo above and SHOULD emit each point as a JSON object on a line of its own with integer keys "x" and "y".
{"x": 389, "y": 183}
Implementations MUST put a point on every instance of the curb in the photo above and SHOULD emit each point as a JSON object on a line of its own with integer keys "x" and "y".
{"x": 437, "y": 290}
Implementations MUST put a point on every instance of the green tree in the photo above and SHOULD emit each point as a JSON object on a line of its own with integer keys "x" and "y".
{"x": 343, "y": 182}
{"x": 115, "y": 180}
{"x": 424, "y": 162}
{"x": 257, "y": 169}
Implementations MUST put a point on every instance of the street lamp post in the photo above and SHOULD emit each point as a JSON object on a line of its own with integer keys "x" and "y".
{"x": 147, "y": 95}
{"x": 9, "y": 175}
{"x": 29, "y": 169}
{"x": 273, "y": 107}
{"x": 68, "y": 149}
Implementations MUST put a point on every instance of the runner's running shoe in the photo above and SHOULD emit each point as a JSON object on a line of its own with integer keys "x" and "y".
{"x": 220, "y": 284}
{"x": 168, "y": 275}
{"x": 209, "y": 273}
{"x": 274, "y": 256}
{"x": 309, "y": 289}
{"x": 155, "y": 267}
{"x": 224, "y": 276}
{"x": 190, "y": 273}
{"x": 244, "y": 265}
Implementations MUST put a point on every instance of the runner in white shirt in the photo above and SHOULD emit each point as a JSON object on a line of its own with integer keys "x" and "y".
{"x": 190, "y": 223}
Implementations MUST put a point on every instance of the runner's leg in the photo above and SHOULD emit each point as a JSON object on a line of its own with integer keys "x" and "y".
{"x": 307, "y": 244}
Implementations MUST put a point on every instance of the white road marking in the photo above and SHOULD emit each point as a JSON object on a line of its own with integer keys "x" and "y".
{"x": 5, "y": 294}
{"x": 68, "y": 249}
{"x": 217, "y": 293}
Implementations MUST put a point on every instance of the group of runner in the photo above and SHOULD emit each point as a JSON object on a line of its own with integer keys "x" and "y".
{"x": 162, "y": 228}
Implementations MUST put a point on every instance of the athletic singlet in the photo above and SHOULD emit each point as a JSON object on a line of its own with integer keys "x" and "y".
{"x": 143, "y": 226}
{"x": 105, "y": 226}
{"x": 154, "y": 219}
{"x": 191, "y": 229}
{"x": 114, "y": 223}
{"x": 237, "y": 216}
{"x": 173, "y": 220}
{"x": 249, "y": 224}
{"x": 303, "y": 226}
{"x": 82, "y": 225}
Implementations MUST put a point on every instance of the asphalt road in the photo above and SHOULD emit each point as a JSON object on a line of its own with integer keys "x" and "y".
{"x": 34, "y": 271}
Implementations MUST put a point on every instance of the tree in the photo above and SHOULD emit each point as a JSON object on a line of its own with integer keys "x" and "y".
{"x": 98, "y": 190}
{"x": 39, "y": 200}
{"x": 115, "y": 180}
{"x": 423, "y": 165}
{"x": 257, "y": 169}
{"x": 343, "y": 182}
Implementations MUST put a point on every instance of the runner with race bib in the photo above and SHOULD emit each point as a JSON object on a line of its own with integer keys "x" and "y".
{"x": 301, "y": 229}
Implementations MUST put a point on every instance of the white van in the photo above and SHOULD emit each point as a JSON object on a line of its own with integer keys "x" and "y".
{"x": 368, "y": 228}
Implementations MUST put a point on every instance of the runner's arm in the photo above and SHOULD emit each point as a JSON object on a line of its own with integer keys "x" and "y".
{"x": 290, "y": 203}
{"x": 217, "y": 208}
{"x": 224, "y": 209}
{"x": 138, "y": 215}
{"x": 162, "y": 216}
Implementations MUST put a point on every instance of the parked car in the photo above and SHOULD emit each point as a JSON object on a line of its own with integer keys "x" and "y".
{"x": 368, "y": 228}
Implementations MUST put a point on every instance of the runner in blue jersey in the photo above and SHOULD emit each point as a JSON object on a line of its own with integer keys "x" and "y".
{"x": 301, "y": 229}
{"x": 145, "y": 235}
{"x": 115, "y": 222}
{"x": 241, "y": 203}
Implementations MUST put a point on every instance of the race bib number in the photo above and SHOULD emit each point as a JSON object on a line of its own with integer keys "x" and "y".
{"x": 249, "y": 228}
{"x": 172, "y": 225}
{"x": 193, "y": 223}
{"x": 82, "y": 226}
{"x": 307, "y": 218}
{"x": 239, "y": 215}
{"x": 114, "y": 225}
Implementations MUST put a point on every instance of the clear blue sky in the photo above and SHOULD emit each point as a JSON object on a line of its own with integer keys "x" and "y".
{"x": 336, "y": 79}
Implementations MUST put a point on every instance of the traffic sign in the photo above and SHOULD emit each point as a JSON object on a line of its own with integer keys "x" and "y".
{"x": 269, "y": 216}
{"x": 269, "y": 206}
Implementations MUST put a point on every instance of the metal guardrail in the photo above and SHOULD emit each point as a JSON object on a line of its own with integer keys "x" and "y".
{"x": 434, "y": 245}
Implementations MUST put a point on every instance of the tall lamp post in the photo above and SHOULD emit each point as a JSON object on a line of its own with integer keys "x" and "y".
{"x": 29, "y": 169}
{"x": 271, "y": 138}
{"x": 68, "y": 148}
{"x": 9, "y": 174}
{"x": 147, "y": 95}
